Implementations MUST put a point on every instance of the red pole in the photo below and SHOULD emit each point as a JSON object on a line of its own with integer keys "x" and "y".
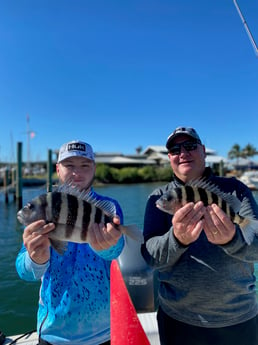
{"x": 126, "y": 327}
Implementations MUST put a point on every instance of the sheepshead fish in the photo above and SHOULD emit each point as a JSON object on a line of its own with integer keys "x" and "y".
{"x": 208, "y": 193}
{"x": 73, "y": 212}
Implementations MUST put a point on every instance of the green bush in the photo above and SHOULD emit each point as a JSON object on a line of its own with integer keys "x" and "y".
{"x": 148, "y": 174}
{"x": 164, "y": 174}
{"x": 107, "y": 174}
{"x": 103, "y": 173}
{"x": 128, "y": 175}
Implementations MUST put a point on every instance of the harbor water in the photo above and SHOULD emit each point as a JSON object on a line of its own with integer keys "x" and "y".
{"x": 19, "y": 299}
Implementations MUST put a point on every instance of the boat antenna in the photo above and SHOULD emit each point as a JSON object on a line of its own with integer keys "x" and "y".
{"x": 247, "y": 28}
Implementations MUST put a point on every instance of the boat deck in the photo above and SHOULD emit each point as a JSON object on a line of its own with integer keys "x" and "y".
{"x": 148, "y": 322}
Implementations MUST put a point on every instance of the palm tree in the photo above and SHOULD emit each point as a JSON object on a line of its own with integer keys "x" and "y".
{"x": 235, "y": 152}
{"x": 138, "y": 149}
{"x": 249, "y": 151}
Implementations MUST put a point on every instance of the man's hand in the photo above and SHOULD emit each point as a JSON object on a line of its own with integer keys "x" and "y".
{"x": 218, "y": 227}
{"x": 102, "y": 237}
{"x": 35, "y": 238}
{"x": 187, "y": 222}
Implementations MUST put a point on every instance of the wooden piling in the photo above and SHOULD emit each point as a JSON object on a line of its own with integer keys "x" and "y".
{"x": 221, "y": 168}
{"x": 49, "y": 171}
{"x": 14, "y": 183}
{"x": 6, "y": 182}
{"x": 19, "y": 177}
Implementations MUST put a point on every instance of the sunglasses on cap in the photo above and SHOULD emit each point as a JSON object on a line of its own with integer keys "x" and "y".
{"x": 189, "y": 145}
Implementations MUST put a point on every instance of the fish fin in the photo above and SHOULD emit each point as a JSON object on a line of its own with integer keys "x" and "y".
{"x": 234, "y": 193}
{"x": 231, "y": 199}
{"x": 68, "y": 188}
{"x": 59, "y": 246}
{"x": 132, "y": 231}
{"x": 107, "y": 206}
{"x": 246, "y": 209}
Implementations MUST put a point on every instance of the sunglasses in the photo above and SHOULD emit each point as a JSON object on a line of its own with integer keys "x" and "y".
{"x": 187, "y": 145}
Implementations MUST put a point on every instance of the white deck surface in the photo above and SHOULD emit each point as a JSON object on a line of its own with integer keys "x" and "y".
{"x": 148, "y": 322}
{"x": 30, "y": 339}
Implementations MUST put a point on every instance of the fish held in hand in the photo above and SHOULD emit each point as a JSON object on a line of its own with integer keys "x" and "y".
{"x": 72, "y": 212}
{"x": 208, "y": 193}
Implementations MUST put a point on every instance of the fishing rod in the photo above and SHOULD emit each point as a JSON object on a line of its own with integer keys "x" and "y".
{"x": 246, "y": 28}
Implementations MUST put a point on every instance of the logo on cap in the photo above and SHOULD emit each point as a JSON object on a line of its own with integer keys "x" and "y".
{"x": 76, "y": 147}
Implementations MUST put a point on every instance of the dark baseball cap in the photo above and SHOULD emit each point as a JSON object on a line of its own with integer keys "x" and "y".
{"x": 191, "y": 132}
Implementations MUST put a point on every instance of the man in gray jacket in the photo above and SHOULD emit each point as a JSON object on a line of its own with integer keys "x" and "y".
{"x": 207, "y": 291}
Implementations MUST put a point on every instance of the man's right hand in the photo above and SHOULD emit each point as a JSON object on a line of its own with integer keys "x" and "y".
{"x": 35, "y": 239}
{"x": 188, "y": 222}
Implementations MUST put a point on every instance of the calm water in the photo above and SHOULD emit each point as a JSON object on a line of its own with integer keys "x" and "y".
{"x": 19, "y": 299}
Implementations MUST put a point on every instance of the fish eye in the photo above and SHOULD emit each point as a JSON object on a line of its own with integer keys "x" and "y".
{"x": 30, "y": 206}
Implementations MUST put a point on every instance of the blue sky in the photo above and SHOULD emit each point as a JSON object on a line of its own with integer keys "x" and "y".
{"x": 124, "y": 73}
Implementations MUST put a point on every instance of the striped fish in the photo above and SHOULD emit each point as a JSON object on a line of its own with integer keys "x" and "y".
{"x": 208, "y": 193}
{"x": 73, "y": 212}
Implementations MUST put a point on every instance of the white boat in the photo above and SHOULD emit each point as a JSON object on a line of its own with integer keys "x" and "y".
{"x": 30, "y": 338}
{"x": 250, "y": 178}
{"x": 148, "y": 322}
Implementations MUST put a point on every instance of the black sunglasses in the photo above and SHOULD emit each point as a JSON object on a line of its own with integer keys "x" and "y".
{"x": 187, "y": 145}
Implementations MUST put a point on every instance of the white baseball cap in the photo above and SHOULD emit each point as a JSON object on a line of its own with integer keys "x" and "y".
{"x": 75, "y": 148}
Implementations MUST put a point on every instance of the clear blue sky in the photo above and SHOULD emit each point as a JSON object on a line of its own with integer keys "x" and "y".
{"x": 124, "y": 73}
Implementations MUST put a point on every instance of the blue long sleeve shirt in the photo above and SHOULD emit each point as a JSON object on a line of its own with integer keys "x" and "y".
{"x": 202, "y": 284}
{"x": 74, "y": 299}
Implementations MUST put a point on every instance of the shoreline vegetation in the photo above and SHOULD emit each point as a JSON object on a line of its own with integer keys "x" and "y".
{"x": 108, "y": 175}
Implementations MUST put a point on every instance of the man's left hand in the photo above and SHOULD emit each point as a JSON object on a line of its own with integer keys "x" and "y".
{"x": 217, "y": 225}
{"x": 102, "y": 237}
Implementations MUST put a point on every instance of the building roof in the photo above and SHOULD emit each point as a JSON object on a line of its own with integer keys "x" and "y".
{"x": 123, "y": 160}
{"x": 215, "y": 159}
{"x": 156, "y": 148}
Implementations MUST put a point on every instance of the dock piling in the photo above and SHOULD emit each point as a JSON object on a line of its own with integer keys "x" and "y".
{"x": 19, "y": 177}
{"x": 49, "y": 171}
{"x": 6, "y": 181}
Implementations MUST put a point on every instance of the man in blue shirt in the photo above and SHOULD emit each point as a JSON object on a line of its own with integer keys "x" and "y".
{"x": 74, "y": 301}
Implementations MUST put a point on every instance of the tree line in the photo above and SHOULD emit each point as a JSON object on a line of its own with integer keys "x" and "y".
{"x": 107, "y": 174}
{"x": 236, "y": 152}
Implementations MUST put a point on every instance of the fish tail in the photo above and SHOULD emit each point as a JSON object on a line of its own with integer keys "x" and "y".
{"x": 132, "y": 231}
{"x": 247, "y": 221}
{"x": 249, "y": 229}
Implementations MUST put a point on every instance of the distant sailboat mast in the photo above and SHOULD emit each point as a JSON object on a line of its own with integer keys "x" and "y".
{"x": 28, "y": 142}
{"x": 30, "y": 135}
{"x": 246, "y": 28}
